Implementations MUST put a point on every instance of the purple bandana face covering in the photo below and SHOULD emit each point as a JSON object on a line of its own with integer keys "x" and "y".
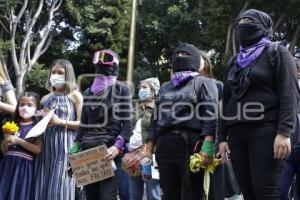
{"x": 248, "y": 55}
{"x": 179, "y": 78}
{"x": 102, "y": 82}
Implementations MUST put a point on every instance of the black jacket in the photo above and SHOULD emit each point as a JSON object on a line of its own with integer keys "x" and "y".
{"x": 105, "y": 116}
{"x": 261, "y": 85}
{"x": 190, "y": 107}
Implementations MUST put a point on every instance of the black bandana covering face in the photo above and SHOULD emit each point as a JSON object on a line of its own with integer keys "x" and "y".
{"x": 189, "y": 62}
{"x": 250, "y": 33}
{"x": 108, "y": 69}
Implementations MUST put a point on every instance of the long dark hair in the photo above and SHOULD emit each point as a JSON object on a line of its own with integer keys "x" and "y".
{"x": 208, "y": 67}
{"x": 36, "y": 98}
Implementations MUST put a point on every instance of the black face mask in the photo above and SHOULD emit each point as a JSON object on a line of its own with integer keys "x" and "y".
{"x": 190, "y": 62}
{"x": 107, "y": 70}
{"x": 249, "y": 33}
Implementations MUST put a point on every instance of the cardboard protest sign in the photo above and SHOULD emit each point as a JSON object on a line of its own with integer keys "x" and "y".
{"x": 90, "y": 166}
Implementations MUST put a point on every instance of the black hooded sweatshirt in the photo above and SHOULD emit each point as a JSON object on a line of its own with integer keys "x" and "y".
{"x": 273, "y": 87}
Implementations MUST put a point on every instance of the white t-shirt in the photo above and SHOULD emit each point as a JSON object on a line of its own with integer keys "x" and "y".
{"x": 136, "y": 138}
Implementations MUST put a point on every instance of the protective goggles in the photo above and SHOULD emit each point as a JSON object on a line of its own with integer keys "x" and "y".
{"x": 105, "y": 57}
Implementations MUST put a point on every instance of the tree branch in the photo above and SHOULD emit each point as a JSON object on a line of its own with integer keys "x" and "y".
{"x": 22, "y": 11}
{"x": 40, "y": 46}
{"x": 46, "y": 45}
{"x": 26, "y": 39}
{"x": 28, "y": 58}
{"x": 58, "y": 5}
{"x": 279, "y": 21}
{"x": 294, "y": 40}
{"x": 233, "y": 43}
{"x": 13, "y": 27}
{"x": 228, "y": 38}
{"x": 4, "y": 27}
{"x": 245, "y": 6}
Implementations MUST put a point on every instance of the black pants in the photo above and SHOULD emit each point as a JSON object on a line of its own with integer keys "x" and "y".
{"x": 257, "y": 172}
{"x": 176, "y": 181}
{"x": 106, "y": 189}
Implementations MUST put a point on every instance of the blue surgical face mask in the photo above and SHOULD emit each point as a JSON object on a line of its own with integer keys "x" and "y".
{"x": 144, "y": 93}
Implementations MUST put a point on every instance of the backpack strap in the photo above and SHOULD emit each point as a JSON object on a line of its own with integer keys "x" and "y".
{"x": 198, "y": 84}
{"x": 232, "y": 60}
{"x": 272, "y": 52}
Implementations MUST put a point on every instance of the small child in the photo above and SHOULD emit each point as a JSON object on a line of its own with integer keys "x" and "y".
{"x": 16, "y": 168}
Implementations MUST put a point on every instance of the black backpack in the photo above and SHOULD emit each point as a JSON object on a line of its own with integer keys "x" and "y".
{"x": 295, "y": 135}
{"x": 272, "y": 53}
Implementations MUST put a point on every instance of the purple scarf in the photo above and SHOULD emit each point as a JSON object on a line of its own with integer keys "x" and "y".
{"x": 249, "y": 54}
{"x": 178, "y": 78}
{"x": 102, "y": 82}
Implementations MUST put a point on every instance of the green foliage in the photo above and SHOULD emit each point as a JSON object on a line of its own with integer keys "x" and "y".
{"x": 36, "y": 79}
{"x": 204, "y": 23}
{"x": 161, "y": 25}
{"x": 4, "y": 46}
{"x": 90, "y": 25}
{"x": 98, "y": 24}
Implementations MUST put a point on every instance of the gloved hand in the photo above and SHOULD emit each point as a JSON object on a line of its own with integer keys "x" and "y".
{"x": 74, "y": 149}
{"x": 208, "y": 147}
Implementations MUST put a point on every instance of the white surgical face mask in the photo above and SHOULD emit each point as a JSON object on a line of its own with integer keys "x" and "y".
{"x": 57, "y": 81}
{"x": 26, "y": 112}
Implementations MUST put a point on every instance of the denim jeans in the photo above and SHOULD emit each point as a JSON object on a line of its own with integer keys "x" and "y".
{"x": 123, "y": 185}
{"x": 291, "y": 169}
{"x": 136, "y": 185}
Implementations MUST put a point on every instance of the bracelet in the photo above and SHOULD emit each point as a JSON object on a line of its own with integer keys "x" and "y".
{"x": 65, "y": 125}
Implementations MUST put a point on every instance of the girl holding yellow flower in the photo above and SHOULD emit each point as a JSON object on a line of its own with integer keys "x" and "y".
{"x": 8, "y": 100}
{"x": 16, "y": 168}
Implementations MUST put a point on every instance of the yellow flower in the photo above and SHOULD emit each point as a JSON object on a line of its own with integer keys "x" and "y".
{"x": 10, "y": 128}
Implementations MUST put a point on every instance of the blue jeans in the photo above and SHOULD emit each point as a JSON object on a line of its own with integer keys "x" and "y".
{"x": 136, "y": 187}
{"x": 123, "y": 185}
{"x": 291, "y": 169}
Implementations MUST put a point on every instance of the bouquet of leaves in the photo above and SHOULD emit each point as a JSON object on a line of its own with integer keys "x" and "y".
{"x": 131, "y": 162}
{"x": 196, "y": 164}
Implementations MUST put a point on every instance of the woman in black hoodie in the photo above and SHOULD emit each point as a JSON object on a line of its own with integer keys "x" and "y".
{"x": 259, "y": 107}
{"x": 185, "y": 113}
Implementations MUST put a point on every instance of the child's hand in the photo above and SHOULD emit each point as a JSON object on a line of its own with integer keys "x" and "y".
{"x": 55, "y": 120}
{"x": 4, "y": 146}
{"x": 13, "y": 140}
{"x": 46, "y": 110}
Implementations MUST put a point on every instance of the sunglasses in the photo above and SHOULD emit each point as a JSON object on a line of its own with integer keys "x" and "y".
{"x": 104, "y": 57}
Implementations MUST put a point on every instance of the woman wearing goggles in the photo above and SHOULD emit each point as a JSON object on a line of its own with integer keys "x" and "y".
{"x": 105, "y": 57}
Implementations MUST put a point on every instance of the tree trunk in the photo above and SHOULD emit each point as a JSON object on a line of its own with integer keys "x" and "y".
{"x": 228, "y": 40}
{"x": 233, "y": 43}
{"x": 20, "y": 82}
{"x": 4, "y": 66}
{"x": 279, "y": 22}
{"x": 294, "y": 39}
